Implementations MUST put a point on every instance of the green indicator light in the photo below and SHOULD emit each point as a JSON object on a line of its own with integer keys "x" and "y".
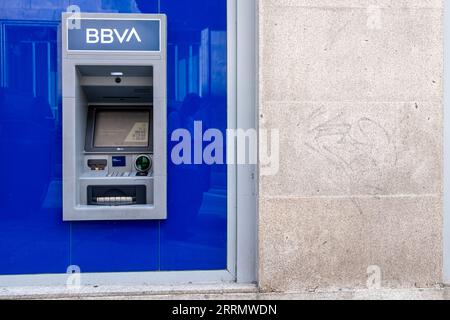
{"x": 143, "y": 163}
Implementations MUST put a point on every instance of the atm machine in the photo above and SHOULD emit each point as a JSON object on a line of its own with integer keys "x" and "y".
{"x": 114, "y": 117}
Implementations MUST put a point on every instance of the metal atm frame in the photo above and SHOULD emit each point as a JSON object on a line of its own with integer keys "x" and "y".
{"x": 75, "y": 122}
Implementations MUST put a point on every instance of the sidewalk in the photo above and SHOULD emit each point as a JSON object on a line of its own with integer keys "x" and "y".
{"x": 220, "y": 292}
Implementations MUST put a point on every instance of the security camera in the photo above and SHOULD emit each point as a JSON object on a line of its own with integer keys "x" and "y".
{"x": 118, "y": 80}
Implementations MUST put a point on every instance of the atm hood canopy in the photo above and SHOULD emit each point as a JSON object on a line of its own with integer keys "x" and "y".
{"x": 105, "y": 83}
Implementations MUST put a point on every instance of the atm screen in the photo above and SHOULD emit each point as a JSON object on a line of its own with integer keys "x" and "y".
{"x": 121, "y": 128}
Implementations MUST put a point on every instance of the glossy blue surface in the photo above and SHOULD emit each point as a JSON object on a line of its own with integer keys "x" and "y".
{"x": 33, "y": 238}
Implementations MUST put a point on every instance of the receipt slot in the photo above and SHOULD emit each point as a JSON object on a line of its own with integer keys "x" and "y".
{"x": 114, "y": 117}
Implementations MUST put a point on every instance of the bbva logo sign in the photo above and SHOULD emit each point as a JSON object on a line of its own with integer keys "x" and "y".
{"x": 107, "y": 36}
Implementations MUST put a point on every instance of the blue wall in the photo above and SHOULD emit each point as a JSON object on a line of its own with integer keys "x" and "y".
{"x": 33, "y": 237}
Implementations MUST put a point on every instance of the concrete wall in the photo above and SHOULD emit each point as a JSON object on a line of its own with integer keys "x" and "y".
{"x": 354, "y": 86}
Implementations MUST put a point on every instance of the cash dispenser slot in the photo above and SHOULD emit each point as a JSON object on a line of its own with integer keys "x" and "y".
{"x": 116, "y": 195}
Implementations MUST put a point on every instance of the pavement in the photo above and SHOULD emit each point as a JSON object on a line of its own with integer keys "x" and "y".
{"x": 217, "y": 292}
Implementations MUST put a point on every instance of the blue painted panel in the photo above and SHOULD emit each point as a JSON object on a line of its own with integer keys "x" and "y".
{"x": 195, "y": 233}
{"x": 115, "y": 246}
{"x": 33, "y": 238}
{"x": 119, "y": 6}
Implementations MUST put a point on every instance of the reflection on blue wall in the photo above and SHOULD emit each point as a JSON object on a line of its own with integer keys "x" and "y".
{"x": 33, "y": 238}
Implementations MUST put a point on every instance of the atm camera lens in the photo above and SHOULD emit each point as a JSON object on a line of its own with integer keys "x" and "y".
{"x": 143, "y": 163}
{"x": 118, "y": 80}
